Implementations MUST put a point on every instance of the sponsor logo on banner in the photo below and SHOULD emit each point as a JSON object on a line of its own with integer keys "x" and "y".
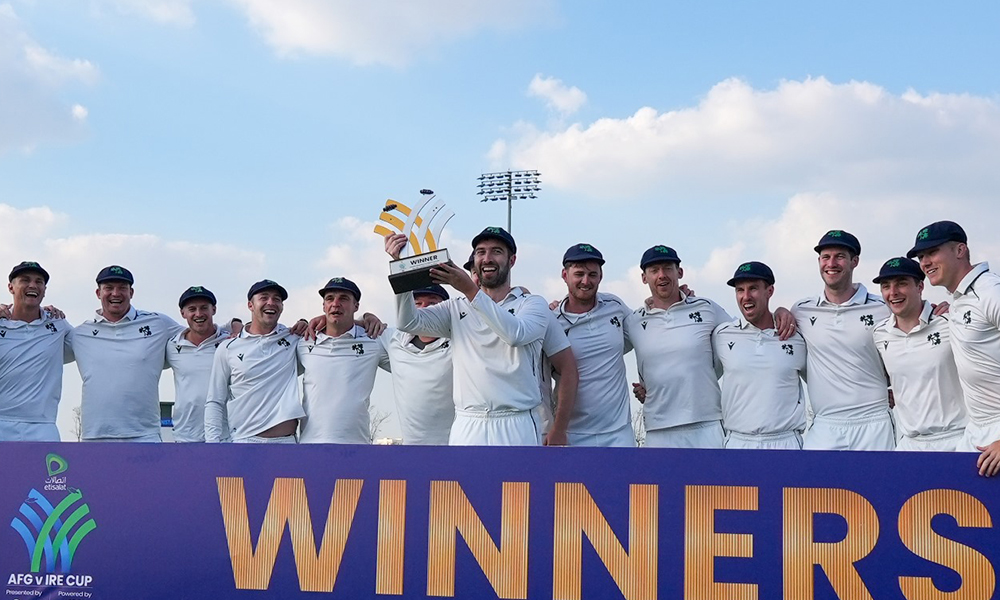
{"x": 52, "y": 522}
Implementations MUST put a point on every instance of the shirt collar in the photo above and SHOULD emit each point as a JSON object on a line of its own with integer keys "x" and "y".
{"x": 970, "y": 278}
{"x": 353, "y": 333}
{"x": 860, "y": 297}
{"x": 925, "y": 317}
{"x": 745, "y": 325}
{"x": 279, "y": 330}
{"x": 129, "y": 316}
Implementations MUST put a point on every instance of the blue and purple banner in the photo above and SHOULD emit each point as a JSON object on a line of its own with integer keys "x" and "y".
{"x": 121, "y": 521}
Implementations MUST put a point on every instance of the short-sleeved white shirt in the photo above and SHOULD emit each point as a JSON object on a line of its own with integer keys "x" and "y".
{"x": 598, "y": 341}
{"x": 254, "y": 385}
{"x": 337, "y": 380}
{"x": 192, "y": 367}
{"x": 921, "y": 368}
{"x": 761, "y": 379}
{"x": 974, "y": 319}
{"x": 422, "y": 385}
{"x": 673, "y": 351}
{"x": 846, "y": 379}
{"x": 120, "y": 364}
{"x": 496, "y": 347}
{"x": 31, "y": 368}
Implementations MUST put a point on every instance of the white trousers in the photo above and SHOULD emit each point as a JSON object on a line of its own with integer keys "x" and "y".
{"x": 945, "y": 441}
{"x": 707, "y": 434}
{"x": 623, "y": 437}
{"x": 495, "y": 428}
{"x": 982, "y": 434}
{"x": 866, "y": 433}
{"x": 256, "y": 439}
{"x": 783, "y": 440}
{"x": 149, "y": 438}
{"x": 17, "y": 431}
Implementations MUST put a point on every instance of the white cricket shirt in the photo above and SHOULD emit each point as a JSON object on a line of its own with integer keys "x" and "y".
{"x": 921, "y": 367}
{"x": 120, "y": 364}
{"x": 673, "y": 350}
{"x": 496, "y": 347}
{"x": 846, "y": 379}
{"x": 762, "y": 379}
{"x": 192, "y": 367}
{"x": 422, "y": 384}
{"x": 31, "y": 368}
{"x": 598, "y": 341}
{"x": 254, "y": 383}
{"x": 338, "y": 376}
{"x": 974, "y": 319}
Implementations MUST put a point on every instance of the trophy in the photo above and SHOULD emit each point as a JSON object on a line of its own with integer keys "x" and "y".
{"x": 422, "y": 225}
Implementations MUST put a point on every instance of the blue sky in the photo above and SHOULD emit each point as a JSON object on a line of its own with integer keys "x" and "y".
{"x": 219, "y": 142}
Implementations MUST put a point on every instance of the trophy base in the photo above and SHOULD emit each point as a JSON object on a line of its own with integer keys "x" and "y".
{"x": 414, "y": 272}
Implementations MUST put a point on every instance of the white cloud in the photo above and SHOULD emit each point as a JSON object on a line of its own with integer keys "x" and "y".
{"x": 801, "y": 135}
{"x": 33, "y": 79}
{"x": 79, "y": 112}
{"x": 557, "y": 96}
{"x": 380, "y": 32}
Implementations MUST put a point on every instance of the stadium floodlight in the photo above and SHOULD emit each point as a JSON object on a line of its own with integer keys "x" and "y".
{"x": 509, "y": 186}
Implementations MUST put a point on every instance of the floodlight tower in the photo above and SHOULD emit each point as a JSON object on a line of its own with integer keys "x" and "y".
{"x": 509, "y": 185}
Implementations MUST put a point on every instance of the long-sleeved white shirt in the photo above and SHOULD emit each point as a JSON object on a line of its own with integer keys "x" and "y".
{"x": 974, "y": 322}
{"x": 254, "y": 385}
{"x": 496, "y": 347}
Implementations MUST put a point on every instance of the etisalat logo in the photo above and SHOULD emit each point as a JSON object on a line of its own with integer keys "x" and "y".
{"x": 52, "y": 529}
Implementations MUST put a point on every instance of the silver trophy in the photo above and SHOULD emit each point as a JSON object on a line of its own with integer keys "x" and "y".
{"x": 422, "y": 225}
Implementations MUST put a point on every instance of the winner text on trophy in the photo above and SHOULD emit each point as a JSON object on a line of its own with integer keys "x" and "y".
{"x": 422, "y": 225}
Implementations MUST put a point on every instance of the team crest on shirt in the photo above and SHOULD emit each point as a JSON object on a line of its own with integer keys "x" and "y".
{"x": 145, "y": 331}
{"x": 868, "y": 320}
{"x": 359, "y": 349}
{"x": 967, "y": 317}
{"x": 696, "y": 317}
{"x": 934, "y": 339}
{"x": 51, "y": 327}
{"x": 812, "y": 320}
{"x": 446, "y": 344}
{"x": 616, "y": 322}
{"x": 789, "y": 349}
{"x": 731, "y": 344}
{"x": 284, "y": 343}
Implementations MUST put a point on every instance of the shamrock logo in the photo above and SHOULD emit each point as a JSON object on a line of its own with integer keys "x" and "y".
{"x": 359, "y": 349}
{"x": 196, "y": 289}
{"x": 745, "y": 268}
{"x": 616, "y": 322}
{"x": 924, "y": 234}
{"x": 967, "y": 317}
{"x": 934, "y": 339}
{"x": 893, "y": 263}
{"x": 789, "y": 349}
{"x": 835, "y": 233}
{"x": 51, "y": 327}
{"x": 696, "y": 317}
{"x": 283, "y": 342}
{"x": 868, "y": 320}
{"x": 662, "y": 249}
{"x": 144, "y": 330}
{"x": 117, "y": 270}
{"x": 493, "y": 229}
{"x": 586, "y": 247}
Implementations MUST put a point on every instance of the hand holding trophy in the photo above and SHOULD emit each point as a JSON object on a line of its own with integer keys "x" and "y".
{"x": 417, "y": 249}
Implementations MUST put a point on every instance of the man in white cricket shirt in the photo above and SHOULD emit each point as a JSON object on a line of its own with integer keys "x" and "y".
{"x": 915, "y": 346}
{"x": 422, "y": 379}
{"x": 848, "y": 392}
{"x": 672, "y": 337}
{"x": 120, "y": 357}
{"x": 594, "y": 323}
{"x": 496, "y": 332}
{"x": 339, "y": 369}
{"x": 190, "y": 354}
{"x": 254, "y": 381}
{"x": 763, "y": 402}
{"x": 974, "y": 323}
{"x": 32, "y": 353}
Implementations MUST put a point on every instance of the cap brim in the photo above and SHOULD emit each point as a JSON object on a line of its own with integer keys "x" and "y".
{"x": 819, "y": 248}
{"x": 926, "y": 245}
{"x": 323, "y": 291}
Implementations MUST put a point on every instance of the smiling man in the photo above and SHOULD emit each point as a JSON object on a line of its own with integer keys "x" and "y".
{"x": 253, "y": 388}
{"x": 339, "y": 369}
{"x": 32, "y": 352}
{"x": 942, "y": 250}
{"x": 190, "y": 355}
{"x": 120, "y": 357}
{"x": 848, "y": 391}
{"x": 915, "y": 346}
{"x": 763, "y": 404}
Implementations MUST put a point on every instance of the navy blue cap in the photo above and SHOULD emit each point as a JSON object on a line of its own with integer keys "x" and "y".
{"x": 196, "y": 291}
{"x": 936, "y": 234}
{"x": 342, "y": 283}
{"x": 433, "y": 290}
{"x": 752, "y": 270}
{"x": 838, "y": 237}
{"x": 658, "y": 254}
{"x": 472, "y": 260}
{"x": 582, "y": 253}
{"x": 115, "y": 273}
{"x": 495, "y": 233}
{"x": 899, "y": 266}
{"x": 267, "y": 284}
{"x": 28, "y": 266}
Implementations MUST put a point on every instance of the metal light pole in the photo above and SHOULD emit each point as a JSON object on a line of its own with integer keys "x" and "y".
{"x": 509, "y": 185}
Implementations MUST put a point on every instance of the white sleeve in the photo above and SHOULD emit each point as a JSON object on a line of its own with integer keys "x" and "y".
{"x": 383, "y": 350}
{"x": 430, "y": 320}
{"x": 216, "y": 421}
{"x": 555, "y": 340}
{"x": 515, "y": 330}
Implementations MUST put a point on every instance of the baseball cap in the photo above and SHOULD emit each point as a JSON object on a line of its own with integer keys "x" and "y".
{"x": 496, "y": 233}
{"x": 658, "y": 254}
{"x": 28, "y": 266}
{"x": 839, "y": 237}
{"x": 433, "y": 289}
{"x": 583, "y": 253}
{"x": 472, "y": 260}
{"x": 267, "y": 284}
{"x": 752, "y": 270}
{"x": 936, "y": 234}
{"x": 196, "y": 291}
{"x": 894, "y": 267}
{"x": 115, "y": 273}
{"x": 342, "y": 283}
